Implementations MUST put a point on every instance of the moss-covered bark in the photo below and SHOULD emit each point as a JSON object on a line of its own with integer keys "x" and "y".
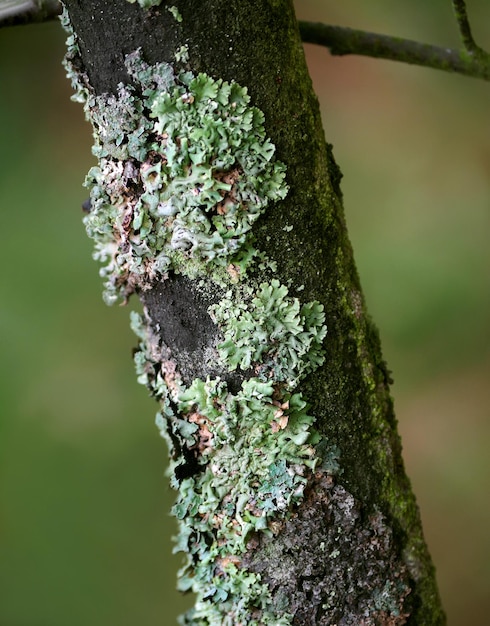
{"x": 347, "y": 547}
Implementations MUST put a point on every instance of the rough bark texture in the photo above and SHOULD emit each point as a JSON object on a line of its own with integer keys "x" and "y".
{"x": 352, "y": 552}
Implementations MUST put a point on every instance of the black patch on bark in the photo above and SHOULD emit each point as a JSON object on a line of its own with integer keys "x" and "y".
{"x": 190, "y": 467}
{"x": 126, "y": 27}
{"x": 179, "y": 315}
{"x": 177, "y": 307}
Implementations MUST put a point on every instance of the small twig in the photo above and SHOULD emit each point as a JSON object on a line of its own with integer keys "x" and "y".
{"x": 341, "y": 40}
{"x": 459, "y": 7}
{"x": 14, "y": 12}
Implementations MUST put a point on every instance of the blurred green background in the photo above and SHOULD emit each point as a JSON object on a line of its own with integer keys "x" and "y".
{"x": 85, "y": 535}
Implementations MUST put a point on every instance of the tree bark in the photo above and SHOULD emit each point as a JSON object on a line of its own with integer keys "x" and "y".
{"x": 345, "y": 544}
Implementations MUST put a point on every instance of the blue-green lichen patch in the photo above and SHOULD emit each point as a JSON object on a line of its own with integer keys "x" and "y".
{"x": 272, "y": 331}
{"x": 251, "y": 454}
{"x": 185, "y": 169}
{"x": 183, "y": 174}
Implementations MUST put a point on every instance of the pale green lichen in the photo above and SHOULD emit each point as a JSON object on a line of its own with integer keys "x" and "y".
{"x": 146, "y": 4}
{"x": 271, "y": 331}
{"x": 78, "y": 80}
{"x": 254, "y": 451}
{"x": 184, "y": 171}
{"x": 182, "y": 54}
{"x": 175, "y": 12}
{"x": 188, "y": 185}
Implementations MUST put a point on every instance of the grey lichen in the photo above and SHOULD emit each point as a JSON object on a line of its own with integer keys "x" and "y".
{"x": 357, "y": 580}
{"x": 185, "y": 169}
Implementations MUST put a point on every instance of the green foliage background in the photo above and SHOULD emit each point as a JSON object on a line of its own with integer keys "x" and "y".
{"x": 84, "y": 525}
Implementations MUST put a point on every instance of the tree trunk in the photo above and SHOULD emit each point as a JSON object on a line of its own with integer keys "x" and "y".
{"x": 293, "y": 503}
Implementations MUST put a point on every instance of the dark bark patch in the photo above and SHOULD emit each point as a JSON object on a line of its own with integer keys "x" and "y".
{"x": 177, "y": 307}
{"x": 332, "y": 563}
{"x": 126, "y": 27}
{"x": 179, "y": 314}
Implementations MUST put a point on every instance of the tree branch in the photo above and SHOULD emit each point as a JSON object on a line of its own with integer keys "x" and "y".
{"x": 459, "y": 7}
{"x": 342, "y": 40}
{"x": 16, "y": 12}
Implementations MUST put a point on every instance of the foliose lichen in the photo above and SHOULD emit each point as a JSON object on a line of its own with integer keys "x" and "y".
{"x": 71, "y": 62}
{"x": 175, "y": 12}
{"x": 183, "y": 173}
{"x": 252, "y": 451}
{"x": 185, "y": 169}
{"x": 277, "y": 334}
{"x": 146, "y": 4}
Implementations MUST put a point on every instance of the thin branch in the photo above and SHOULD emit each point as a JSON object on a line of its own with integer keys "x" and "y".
{"x": 341, "y": 40}
{"x": 459, "y": 7}
{"x": 14, "y": 12}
